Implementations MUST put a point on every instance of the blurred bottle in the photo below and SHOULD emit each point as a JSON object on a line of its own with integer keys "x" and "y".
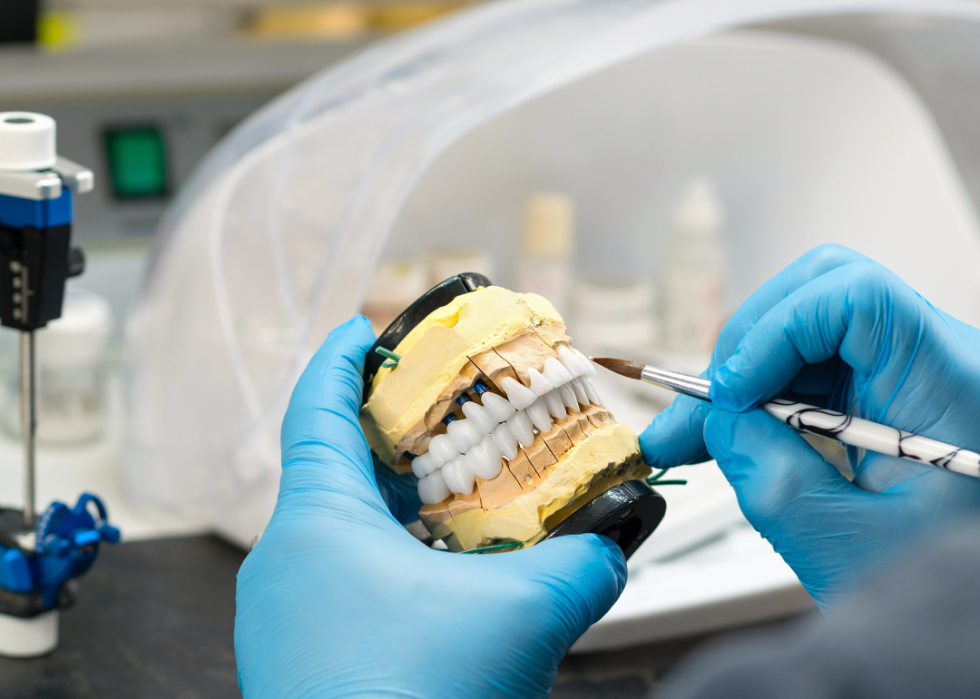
{"x": 616, "y": 317}
{"x": 544, "y": 266}
{"x": 695, "y": 272}
{"x": 71, "y": 358}
{"x": 394, "y": 287}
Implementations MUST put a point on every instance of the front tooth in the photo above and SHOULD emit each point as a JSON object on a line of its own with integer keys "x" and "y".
{"x": 484, "y": 459}
{"x": 423, "y": 465}
{"x": 522, "y": 427}
{"x": 442, "y": 449}
{"x": 590, "y": 390}
{"x": 458, "y": 476}
{"x": 538, "y": 412}
{"x": 556, "y": 373}
{"x": 567, "y": 393}
{"x": 433, "y": 488}
{"x": 517, "y": 393}
{"x": 480, "y": 417}
{"x": 539, "y": 384}
{"x": 571, "y": 362}
{"x": 503, "y": 435}
{"x": 463, "y": 434}
{"x": 555, "y": 406}
{"x": 589, "y": 366}
{"x": 580, "y": 395}
{"x": 498, "y": 406}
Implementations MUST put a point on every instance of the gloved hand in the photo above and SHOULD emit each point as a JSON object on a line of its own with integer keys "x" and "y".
{"x": 836, "y": 330}
{"x": 338, "y": 599}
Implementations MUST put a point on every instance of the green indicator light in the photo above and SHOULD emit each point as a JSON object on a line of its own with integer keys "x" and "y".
{"x": 137, "y": 162}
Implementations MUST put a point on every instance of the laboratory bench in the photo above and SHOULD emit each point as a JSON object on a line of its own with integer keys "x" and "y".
{"x": 155, "y": 619}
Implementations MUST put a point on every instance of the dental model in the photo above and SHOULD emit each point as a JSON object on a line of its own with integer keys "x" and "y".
{"x": 495, "y": 412}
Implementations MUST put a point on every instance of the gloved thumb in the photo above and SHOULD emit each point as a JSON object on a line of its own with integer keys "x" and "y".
{"x": 579, "y": 577}
{"x": 773, "y": 470}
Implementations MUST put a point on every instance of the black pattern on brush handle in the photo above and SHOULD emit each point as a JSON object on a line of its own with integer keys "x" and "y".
{"x": 865, "y": 434}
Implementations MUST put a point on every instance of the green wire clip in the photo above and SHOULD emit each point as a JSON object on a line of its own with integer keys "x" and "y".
{"x": 496, "y": 547}
{"x": 655, "y": 479}
{"x": 393, "y": 358}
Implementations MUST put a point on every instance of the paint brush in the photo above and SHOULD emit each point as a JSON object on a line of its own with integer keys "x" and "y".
{"x": 846, "y": 429}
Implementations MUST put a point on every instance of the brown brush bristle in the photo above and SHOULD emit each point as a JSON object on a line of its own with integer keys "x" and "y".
{"x": 623, "y": 367}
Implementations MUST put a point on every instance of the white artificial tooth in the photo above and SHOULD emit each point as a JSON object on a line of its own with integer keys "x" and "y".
{"x": 480, "y": 417}
{"x": 538, "y": 412}
{"x": 498, "y": 406}
{"x": 571, "y": 362}
{"x": 442, "y": 449}
{"x": 567, "y": 394}
{"x": 539, "y": 384}
{"x": 484, "y": 459}
{"x": 590, "y": 390}
{"x": 433, "y": 488}
{"x": 423, "y": 465}
{"x": 458, "y": 476}
{"x": 522, "y": 427}
{"x": 556, "y": 373}
{"x": 580, "y": 395}
{"x": 555, "y": 406}
{"x": 517, "y": 393}
{"x": 503, "y": 435}
{"x": 463, "y": 434}
{"x": 589, "y": 366}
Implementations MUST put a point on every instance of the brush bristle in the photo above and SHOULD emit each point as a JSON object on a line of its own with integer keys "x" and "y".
{"x": 623, "y": 367}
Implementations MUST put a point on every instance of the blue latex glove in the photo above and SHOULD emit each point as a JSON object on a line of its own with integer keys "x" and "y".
{"x": 836, "y": 330}
{"x": 338, "y": 599}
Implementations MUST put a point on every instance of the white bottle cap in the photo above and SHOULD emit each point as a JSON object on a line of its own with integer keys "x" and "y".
{"x": 28, "y": 638}
{"x": 27, "y": 141}
{"x": 699, "y": 212}
{"x": 549, "y": 226}
{"x": 80, "y": 336}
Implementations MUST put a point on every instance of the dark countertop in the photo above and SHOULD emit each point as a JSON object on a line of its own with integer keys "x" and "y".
{"x": 155, "y": 620}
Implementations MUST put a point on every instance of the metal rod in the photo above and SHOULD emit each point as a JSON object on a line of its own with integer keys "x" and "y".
{"x": 675, "y": 381}
{"x": 28, "y": 419}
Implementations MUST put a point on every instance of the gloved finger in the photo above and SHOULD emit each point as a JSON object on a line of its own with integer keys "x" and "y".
{"x": 850, "y": 311}
{"x": 400, "y": 492}
{"x": 774, "y": 472}
{"x": 676, "y": 435}
{"x": 321, "y": 425}
{"x": 576, "y": 579}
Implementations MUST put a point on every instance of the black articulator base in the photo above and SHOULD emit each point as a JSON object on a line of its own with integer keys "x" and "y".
{"x": 436, "y": 297}
{"x": 627, "y": 514}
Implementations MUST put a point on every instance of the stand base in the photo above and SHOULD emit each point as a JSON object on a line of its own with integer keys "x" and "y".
{"x": 627, "y": 513}
{"x": 28, "y": 638}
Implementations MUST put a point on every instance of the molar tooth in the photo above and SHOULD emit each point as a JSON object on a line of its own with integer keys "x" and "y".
{"x": 557, "y": 374}
{"x": 484, "y": 459}
{"x": 442, "y": 449}
{"x": 433, "y": 488}
{"x": 517, "y": 393}
{"x": 423, "y": 465}
{"x": 459, "y": 476}
{"x": 538, "y": 412}
{"x": 463, "y": 434}
{"x": 539, "y": 384}
{"x": 522, "y": 427}
{"x": 498, "y": 406}
{"x": 480, "y": 417}
{"x": 555, "y": 406}
{"x": 503, "y": 435}
{"x": 590, "y": 390}
{"x": 571, "y": 362}
{"x": 589, "y": 366}
{"x": 567, "y": 393}
{"x": 580, "y": 395}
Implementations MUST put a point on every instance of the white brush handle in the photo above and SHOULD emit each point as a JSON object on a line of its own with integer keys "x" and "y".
{"x": 865, "y": 434}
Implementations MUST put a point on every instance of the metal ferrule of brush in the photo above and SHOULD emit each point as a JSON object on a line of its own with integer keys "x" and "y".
{"x": 675, "y": 381}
